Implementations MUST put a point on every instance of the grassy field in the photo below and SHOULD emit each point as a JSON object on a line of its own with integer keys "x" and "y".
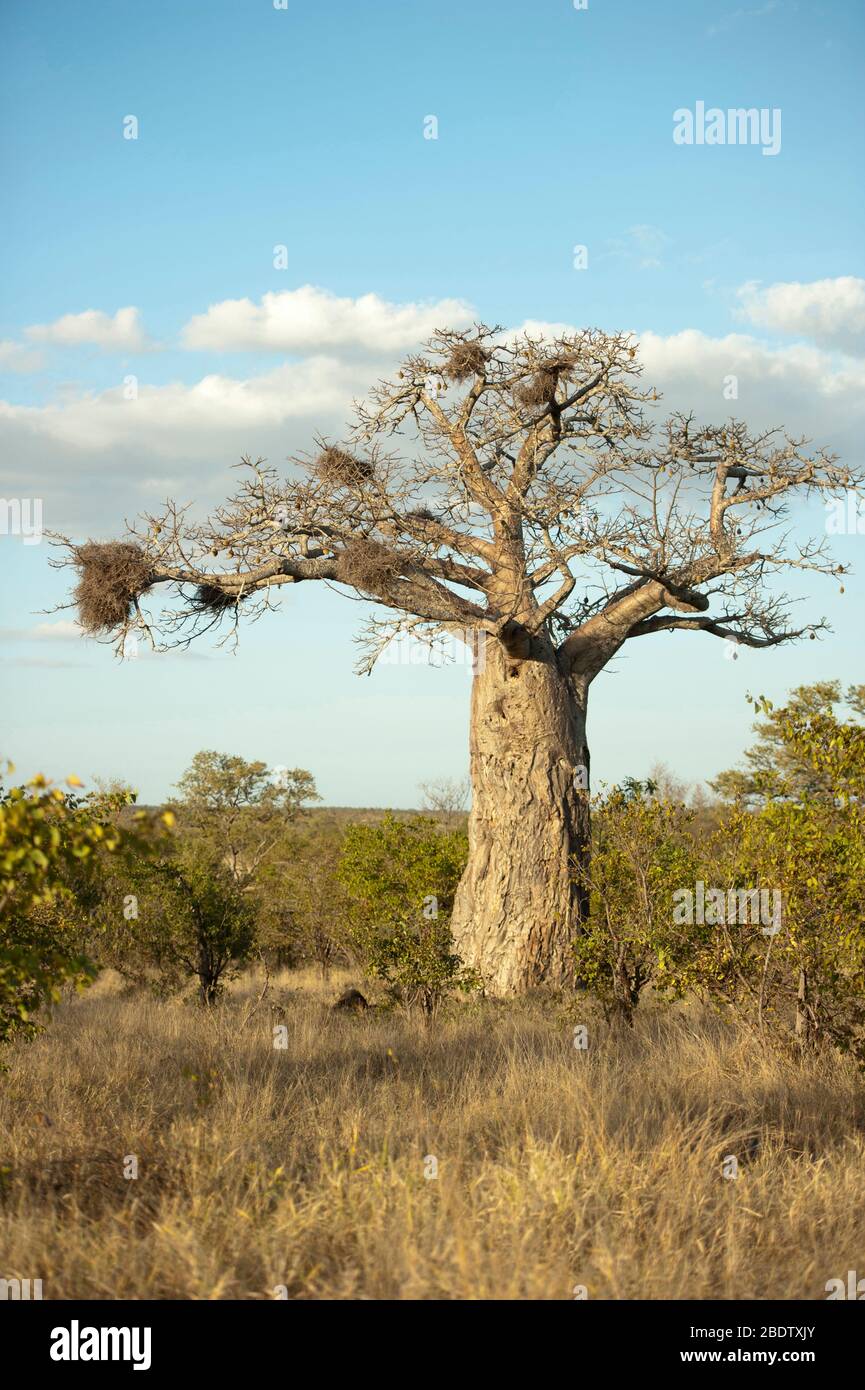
{"x": 304, "y": 1167}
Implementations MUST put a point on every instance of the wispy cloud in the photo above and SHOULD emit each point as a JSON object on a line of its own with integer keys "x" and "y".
{"x": 741, "y": 16}
{"x": 641, "y": 247}
{"x": 17, "y": 357}
{"x": 64, "y": 630}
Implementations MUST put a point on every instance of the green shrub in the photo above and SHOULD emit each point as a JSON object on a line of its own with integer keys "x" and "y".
{"x": 55, "y": 847}
{"x": 642, "y": 851}
{"x": 804, "y": 982}
{"x": 191, "y": 919}
{"x": 401, "y": 877}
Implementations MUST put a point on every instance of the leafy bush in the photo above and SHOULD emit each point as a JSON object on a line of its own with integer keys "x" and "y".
{"x": 804, "y": 982}
{"x": 402, "y": 877}
{"x": 54, "y": 847}
{"x": 191, "y": 919}
{"x": 303, "y": 907}
{"x": 779, "y": 764}
{"x": 642, "y": 852}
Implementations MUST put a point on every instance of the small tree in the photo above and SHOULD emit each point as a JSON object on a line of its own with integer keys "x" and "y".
{"x": 811, "y": 976}
{"x": 777, "y": 763}
{"x": 402, "y": 877}
{"x": 192, "y": 919}
{"x": 241, "y": 810}
{"x": 642, "y": 851}
{"x": 446, "y": 797}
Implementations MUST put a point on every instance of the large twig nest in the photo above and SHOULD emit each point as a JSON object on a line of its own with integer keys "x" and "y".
{"x": 368, "y": 565}
{"x": 339, "y": 468}
{"x": 113, "y": 574}
{"x": 562, "y": 364}
{"x": 538, "y": 390}
{"x": 210, "y": 598}
{"x": 465, "y": 360}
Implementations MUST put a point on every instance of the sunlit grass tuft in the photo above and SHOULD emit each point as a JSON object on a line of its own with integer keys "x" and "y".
{"x": 304, "y": 1167}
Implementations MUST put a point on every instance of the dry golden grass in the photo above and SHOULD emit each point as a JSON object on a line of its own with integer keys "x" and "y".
{"x": 304, "y": 1167}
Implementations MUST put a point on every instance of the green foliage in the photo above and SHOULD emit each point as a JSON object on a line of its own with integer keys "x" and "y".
{"x": 779, "y": 763}
{"x": 241, "y": 810}
{"x": 54, "y": 846}
{"x": 780, "y": 936}
{"x": 642, "y": 851}
{"x": 191, "y": 918}
{"x": 402, "y": 877}
{"x": 303, "y": 907}
{"x": 202, "y": 907}
{"x": 805, "y": 983}
{"x": 814, "y": 970}
{"x": 84, "y": 880}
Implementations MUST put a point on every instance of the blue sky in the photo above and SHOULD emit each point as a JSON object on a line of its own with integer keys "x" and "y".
{"x": 303, "y": 127}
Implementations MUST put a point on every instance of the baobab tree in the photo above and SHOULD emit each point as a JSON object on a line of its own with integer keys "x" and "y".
{"x": 535, "y": 507}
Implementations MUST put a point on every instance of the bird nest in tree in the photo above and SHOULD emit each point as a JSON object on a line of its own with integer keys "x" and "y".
{"x": 339, "y": 468}
{"x": 465, "y": 360}
{"x": 423, "y": 514}
{"x": 538, "y": 390}
{"x": 209, "y": 598}
{"x": 112, "y": 575}
{"x": 368, "y": 565}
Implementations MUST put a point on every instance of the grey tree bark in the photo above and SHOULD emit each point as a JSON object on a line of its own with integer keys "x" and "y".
{"x": 518, "y": 905}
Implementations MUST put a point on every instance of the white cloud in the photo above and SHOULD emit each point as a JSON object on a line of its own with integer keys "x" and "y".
{"x": 62, "y": 631}
{"x": 122, "y": 333}
{"x": 96, "y": 458}
{"x": 17, "y": 357}
{"x": 808, "y": 391}
{"x": 829, "y": 312}
{"x": 697, "y": 357}
{"x": 539, "y": 328}
{"x": 179, "y": 419}
{"x": 814, "y": 392}
{"x": 314, "y": 320}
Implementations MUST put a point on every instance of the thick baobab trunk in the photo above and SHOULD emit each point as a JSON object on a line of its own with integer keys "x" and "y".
{"x": 518, "y": 904}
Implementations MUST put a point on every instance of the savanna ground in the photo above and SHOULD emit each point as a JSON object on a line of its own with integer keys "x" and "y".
{"x": 304, "y": 1166}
